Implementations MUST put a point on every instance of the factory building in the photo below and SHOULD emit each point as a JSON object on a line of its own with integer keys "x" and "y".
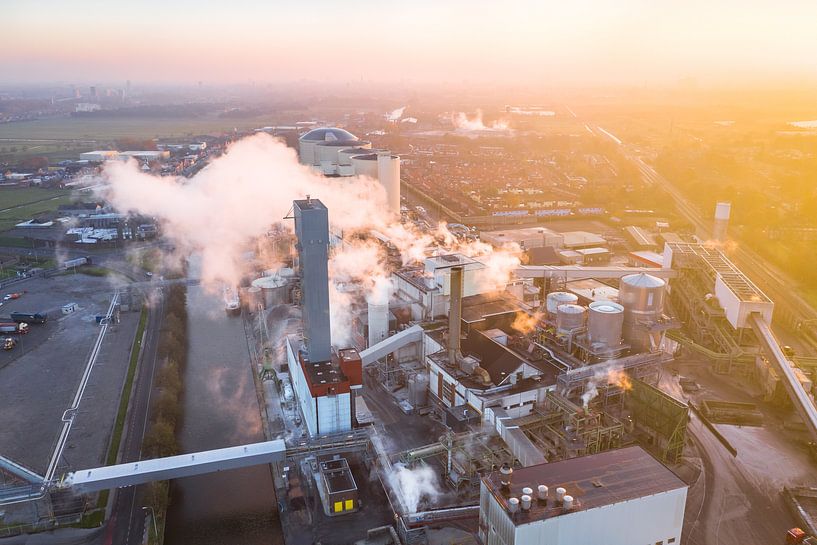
{"x": 324, "y": 381}
{"x": 618, "y": 497}
{"x": 337, "y": 152}
{"x": 100, "y": 156}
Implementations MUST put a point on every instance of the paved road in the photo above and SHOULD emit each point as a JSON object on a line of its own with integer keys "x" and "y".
{"x": 126, "y": 525}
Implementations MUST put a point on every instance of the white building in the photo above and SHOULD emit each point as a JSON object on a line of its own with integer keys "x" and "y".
{"x": 619, "y": 497}
{"x": 337, "y": 152}
{"x": 100, "y": 156}
{"x": 325, "y": 391}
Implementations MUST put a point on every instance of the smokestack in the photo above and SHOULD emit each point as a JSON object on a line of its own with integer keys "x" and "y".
{"x": 722, "y": 212}
{"x": 312, "y": 230}
{"x": 455, "y": 315}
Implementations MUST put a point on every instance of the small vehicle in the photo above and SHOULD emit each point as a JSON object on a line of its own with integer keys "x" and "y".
{"x": 8, "y": 343}
{"x": 788, "y": 351}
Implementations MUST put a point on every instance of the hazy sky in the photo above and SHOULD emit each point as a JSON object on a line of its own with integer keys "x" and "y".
{"x": 564, "y": 42}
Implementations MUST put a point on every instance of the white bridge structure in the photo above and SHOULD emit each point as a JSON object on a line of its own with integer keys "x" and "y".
{"x": 173, "y": 467}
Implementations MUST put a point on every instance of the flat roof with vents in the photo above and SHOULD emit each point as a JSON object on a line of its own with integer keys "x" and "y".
{"x": 597, "y": 480}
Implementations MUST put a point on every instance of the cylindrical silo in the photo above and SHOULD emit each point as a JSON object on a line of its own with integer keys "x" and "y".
{"x": 365, "y": 165}
{"x": 418, "y": 390}
{"x": 642, "y": 296}
{"x": 274, "y": 289}
{"x": 569, "y": 317}
{"x": 345, "y": 155}
{"x": 556, "y": 298}
{"x": 604, "y": 322}
{"x": 253, "y": 298}
{"x": 308, "y": 143}
{"x": 378, "y": 322}
{"x": 388, "y": 172}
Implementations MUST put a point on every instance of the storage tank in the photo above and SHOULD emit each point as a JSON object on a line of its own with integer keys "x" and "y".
{"x": 642, "y": 296}
{"x": 388, "y": 172}
{"x": 254, "y": 297}
{"x": 378, "y": 322}
{"x": 307, "y": 154}
{"x": 327, "y": 156}
{"x": 569, "y": 317}
{"x": 604, "y": 324}
{"x": 418, "y": 390}
{"x": 274, "y": 290}
{"x": 345, "y": 155}
{"x": 365, "y": 165}
{"x": 556, "y": 298}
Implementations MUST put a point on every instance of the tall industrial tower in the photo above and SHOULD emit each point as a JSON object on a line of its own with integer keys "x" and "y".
{"x": 722, "y": 210}
{"x": 312, "y": 231}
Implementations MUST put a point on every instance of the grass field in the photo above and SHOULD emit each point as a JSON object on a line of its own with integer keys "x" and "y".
{"x": 20, "y": 204}
{"x": 105, "y": 129}
{"x": 67, "y": 137}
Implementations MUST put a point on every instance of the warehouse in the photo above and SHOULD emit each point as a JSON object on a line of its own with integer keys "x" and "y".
{"x": 618, "y": 497}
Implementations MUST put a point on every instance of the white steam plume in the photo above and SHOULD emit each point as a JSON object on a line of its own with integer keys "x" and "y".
{"x": 463, "y": 122}
{"x": 395, "y": 115}
{"x": 414, "y": 485}
{"x": 220, "y": 212}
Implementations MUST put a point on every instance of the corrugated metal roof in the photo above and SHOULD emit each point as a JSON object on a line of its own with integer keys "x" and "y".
{"x": 594, "y": 481}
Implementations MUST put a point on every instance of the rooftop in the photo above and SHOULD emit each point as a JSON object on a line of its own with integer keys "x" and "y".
{"x": 337, "y": 475}
{"x": 329, "y": 134}
{"x": 594, "y": 481}
{"x": 718, "y": 265}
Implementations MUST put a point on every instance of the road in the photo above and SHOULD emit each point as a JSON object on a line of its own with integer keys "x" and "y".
{"x": 126, "y": 525}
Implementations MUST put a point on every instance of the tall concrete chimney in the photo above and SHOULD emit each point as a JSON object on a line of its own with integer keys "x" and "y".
{"x": 312, "y": 231}
{"x": 455, "y": 315}
{"x": 722, "y": 210}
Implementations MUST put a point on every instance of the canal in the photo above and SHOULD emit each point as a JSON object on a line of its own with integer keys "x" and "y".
{"x": 220, "y": 410}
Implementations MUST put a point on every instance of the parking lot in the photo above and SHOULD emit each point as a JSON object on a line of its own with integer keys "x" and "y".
{"x": 38, "y": 378}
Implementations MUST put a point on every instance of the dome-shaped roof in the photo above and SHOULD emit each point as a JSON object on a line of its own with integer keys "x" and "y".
{"x": 606, "y": 307}
{"x": 643, "y": 280}
{"x": 329, "y": 134}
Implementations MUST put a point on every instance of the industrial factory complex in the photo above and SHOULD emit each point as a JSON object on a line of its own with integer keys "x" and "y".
{"x": 517, "y": 384}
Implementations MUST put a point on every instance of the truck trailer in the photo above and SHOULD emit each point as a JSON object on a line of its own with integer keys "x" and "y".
{"x": 19, "y": 328}
{"x": 30, "y": 317}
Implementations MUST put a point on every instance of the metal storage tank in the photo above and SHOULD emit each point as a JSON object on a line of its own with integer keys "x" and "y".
{"x": 345, "y": 167}
{"x": 642, "y": 296}
{"x": 274, "y": 289}
{"x": 569, "y": 317}
{"x": 254, "y": 296}
{"x": 345, "y": 155}
{"x": 418, "y": 390}
{"x": 388, "y": 172}
{"x": 365, "y": 165}
{"x": 326, "y": 153}
{"x": 378, "y": 322}
{"x": 605, "y": 320}
{"x": 556, "y": 298}
{"x": 307, "y": 154}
